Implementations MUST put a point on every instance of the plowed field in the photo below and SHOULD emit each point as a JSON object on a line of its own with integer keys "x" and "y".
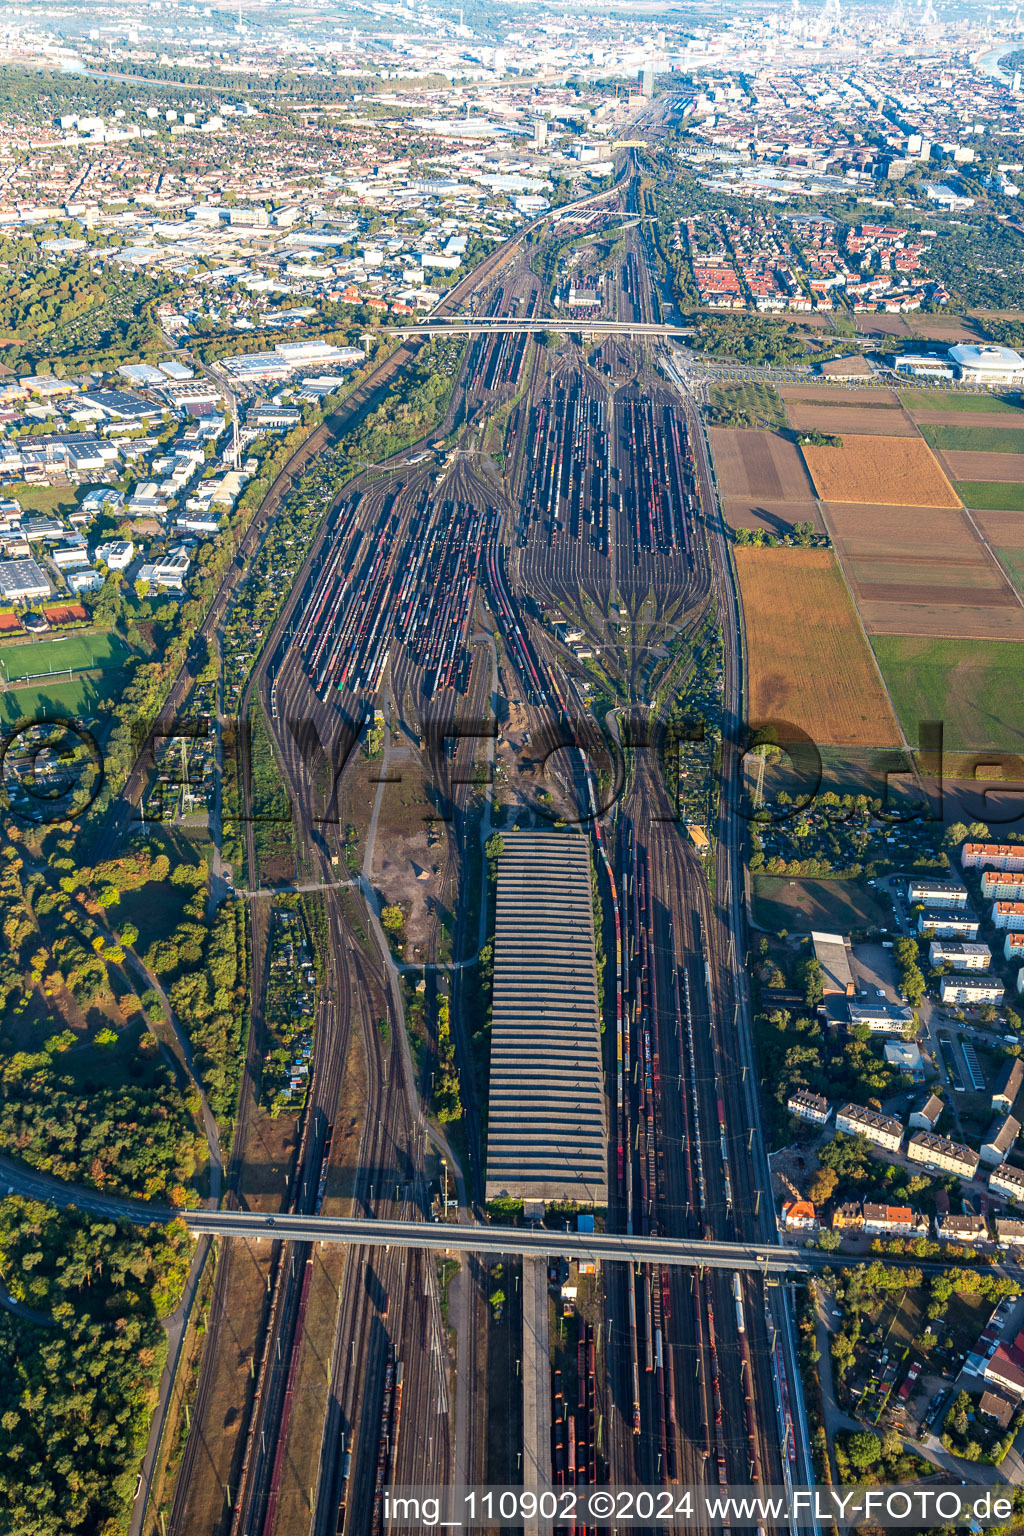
{"x": 808, "y": 664}
{"x": 984, "y": 466}
{"x": 884, "y": 471}
{"x": 758, "y": 466}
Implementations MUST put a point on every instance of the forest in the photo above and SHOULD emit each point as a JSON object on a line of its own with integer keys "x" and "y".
{"x": 78, "y": 1380}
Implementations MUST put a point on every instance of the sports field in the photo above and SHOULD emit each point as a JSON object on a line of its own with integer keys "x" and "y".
{"x": 988, "y": 495}
{"x": 81, "y": 698}
{"x": 884, "y": 471}
{"x": 79, "y": 652}
{"x": 977, "y": 439}
{"x": 957, "y": 400}
{"x": 972, "y": 686}
{"x": 808, "y": 663}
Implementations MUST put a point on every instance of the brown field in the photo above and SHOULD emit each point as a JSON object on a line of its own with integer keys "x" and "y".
{"x": 968, "y": 418}
{"x": 936, "y": 327}
{"x": 1007, "y": 467}
{"x": 991, "y": 620}
{"x": 884, "y": 471}
{"x": 837, "y": 394}
{"x": 1004, "y": 529}
{"x": 923, "y": 571}
{"x": 848, "y": 418}
{"x": 773, "y": 516}
{"x": 759, "y": 465}
{"x": 807, "y": 659}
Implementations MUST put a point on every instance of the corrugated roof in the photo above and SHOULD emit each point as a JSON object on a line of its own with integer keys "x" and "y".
{"x": 546, "y": 1128}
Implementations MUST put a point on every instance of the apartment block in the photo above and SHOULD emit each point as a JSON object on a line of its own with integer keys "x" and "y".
{"x": 883, "y": 1130}
{"x": 941, "y": 1155}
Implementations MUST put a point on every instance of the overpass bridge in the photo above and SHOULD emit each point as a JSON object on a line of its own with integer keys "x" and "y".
{"x": 508, "y": 325}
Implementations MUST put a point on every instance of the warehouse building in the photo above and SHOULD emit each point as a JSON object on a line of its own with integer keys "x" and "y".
{"x": 546, "y": 1130}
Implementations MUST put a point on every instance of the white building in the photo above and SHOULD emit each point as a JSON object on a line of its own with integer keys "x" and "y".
{"x": 970, "y": 990}
{"x": 883, "y": 1130}
{"x": 809, "y": 1106}
{"x": 1000, "y": 1138}
{"x": 962, "y": 957}
{"x": 1002, "y": 885}
{"x": 995, "y": 367}
{"x": 992, "y": 856}
{"x": 1008, "y": 1182}
{"x": 1013, "y": 949}
{"x": 1008, "y": 914}
{"x": 117, "y": 555}
{"x": 937, "y": 893}
{"x": 23, "y": 581}
{"x": 940, "y": 1155}
{"x": 949, "y": 924}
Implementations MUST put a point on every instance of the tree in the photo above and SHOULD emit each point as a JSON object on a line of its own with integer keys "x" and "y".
{"x": 863, "y": 1449}
{"x": 811, "y": 977}
{"x": 823, "y": 1185}
{"x": 392, "y": 918}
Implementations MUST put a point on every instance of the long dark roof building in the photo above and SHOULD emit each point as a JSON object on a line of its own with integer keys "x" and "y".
{"x": 546, "y": 1129}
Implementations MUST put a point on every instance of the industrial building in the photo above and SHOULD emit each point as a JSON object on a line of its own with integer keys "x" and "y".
{"x": 546, "y": 1129}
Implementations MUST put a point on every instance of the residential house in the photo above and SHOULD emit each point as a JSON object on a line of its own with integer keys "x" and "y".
{"x": 937, "y": 893}
{"x": 1008, "y": 1182}
{"x": 961, "y": 1229}
{"x": 926, "y": 1116}
{"x": 948, "y": 924}
{"x": 1008, "y": 1083}
{"x": 970, "y": 990}
{"x": 809, "y": 1106}
{"x": 960, "y": 957}
{"x": 992, "y": 855}
{"x": 997, "y": 1144}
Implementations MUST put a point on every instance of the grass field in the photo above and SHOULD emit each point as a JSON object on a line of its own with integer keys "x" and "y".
{"x": 81, "y": 652}
{"x": 1013, "y": 561}
{"x": 799, "y": 906}
{"x": 973, "y": 439}
{"x": 883, "y": 471}
{"x": 45, "y": 498}
{"x": 808, "y": 664}
{"x": 958, "y": 400}
{"x": 81, "y": 697}
{"x": 990, "y": 495}
{"x": 972, "y": 686}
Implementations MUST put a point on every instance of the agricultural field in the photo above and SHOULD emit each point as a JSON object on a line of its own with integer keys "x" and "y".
{"x": 79, "y": 653}
{"x": 808, "y": 661}
{"x": 974, "y": 439}
{"x": 963, "y": 421}
{"x": 833, "y": 394}
{"x": 944, "y": 401}
{"x": 972, "y": 686}
{"x": 756, "y": 466}
{"x": 776, "y": 517}
{"x": 985, "y": 495}
{"x": 883, "y": 471}
{"x": 1003, "y": 467}
{"x": 840, "y": 416}
{"x": 923, "y": 571}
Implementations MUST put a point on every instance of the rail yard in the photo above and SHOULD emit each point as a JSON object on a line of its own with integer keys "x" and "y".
{"x": 490, "y": 631}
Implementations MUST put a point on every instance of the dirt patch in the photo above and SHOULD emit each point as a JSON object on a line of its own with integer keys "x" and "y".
{"x": 756, "y": 465}
{"x": 808, "y": 661}
{"x": 269, "y": 1150}
{"x": 1008, "y": 467}
{"x": 884, "y": 471}
{"x": 870, "y": 531}
{"x": 312, "y": 1388}
{"x": 773, "y": 516}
